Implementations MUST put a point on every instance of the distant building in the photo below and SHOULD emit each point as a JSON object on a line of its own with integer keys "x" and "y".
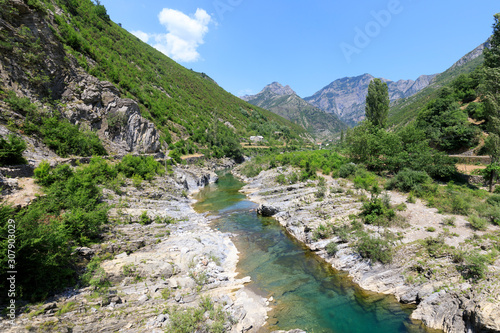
{"x": 257, "y": 138}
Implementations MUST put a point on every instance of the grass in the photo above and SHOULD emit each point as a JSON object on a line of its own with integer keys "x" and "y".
{"x": 206, "y": 317}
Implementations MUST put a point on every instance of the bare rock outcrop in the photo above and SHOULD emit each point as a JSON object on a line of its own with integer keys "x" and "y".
{"x": 116, "y": 120}
{"x": 85, "y": 100}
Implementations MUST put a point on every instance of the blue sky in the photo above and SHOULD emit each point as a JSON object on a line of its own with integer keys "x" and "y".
{"x": 245, "y": 45}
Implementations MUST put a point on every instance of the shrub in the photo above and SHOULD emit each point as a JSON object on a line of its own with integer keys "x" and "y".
{"x": 11, "y": 150}
{"x": 494, "y": 200}
{"x": 137, "y": 181}
{"x": 376, "y": 249}
{"x": 67, "y": 139}
{"x": 47, "y": 176}
{"x": 321, "y": 232}
{"x": 281, "y": 179}
{"x": 434, "y": 245}
{"x": 476, "y": 111}
{"x": 144, "y": 166}
{"x": 475, "y": 265}
{"x": 20, "y": 104}
{"x": 493, "y": 214}
{"x": 478, "y": 223}
{"x": 377, "y": 212}
{"x": 450, "y": 221}
{"x": 332, "y": 248}
{"x": 408, "y": 180}
{"x": 144, "y": 218}
{"x": 347, "y": 170}
{"x": 342, "y": 232}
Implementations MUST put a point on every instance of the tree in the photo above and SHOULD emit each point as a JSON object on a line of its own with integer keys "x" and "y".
{"x": 491, "y": 98}
{"x": 492, "y": 55}
{"x": 11, "y": 150}
{"x": 377, "y": 103}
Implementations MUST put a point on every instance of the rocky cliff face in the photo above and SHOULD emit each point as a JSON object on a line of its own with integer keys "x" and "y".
{"x": 477, "y": 52}
{"x": 283, "y": 101}
{"x": 116, "y": 120}
{"x": 346, "y": 97}
{"x": 35, "y": 64}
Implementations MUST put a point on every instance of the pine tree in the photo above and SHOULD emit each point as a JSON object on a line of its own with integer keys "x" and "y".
{"x": 377, "y": 103}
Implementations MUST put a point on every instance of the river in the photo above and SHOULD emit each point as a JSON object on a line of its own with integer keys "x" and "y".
{"x": 307, "y": 292}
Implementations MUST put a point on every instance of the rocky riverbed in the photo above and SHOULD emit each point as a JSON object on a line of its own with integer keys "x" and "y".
{"x": 160, "y": 258}
{"x": 446, "y": 300}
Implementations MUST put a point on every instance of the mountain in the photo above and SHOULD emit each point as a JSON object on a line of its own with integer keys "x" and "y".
{"x": 346, "y": 97}
{"x": 406, "y": 109}
{"x": 67, "y": 61}
{"x": 283, "y": 101}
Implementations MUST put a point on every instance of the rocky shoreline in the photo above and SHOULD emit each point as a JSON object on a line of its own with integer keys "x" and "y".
{"x": 445, "y": 301}
{"x": 173, "y": 261}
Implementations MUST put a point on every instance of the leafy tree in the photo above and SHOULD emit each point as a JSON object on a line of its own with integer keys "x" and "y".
{"x": 11, "y": 150}
{"x": 445, "y": 124}
{"x": 492, "y": 55}
{"x": 377, "y": 103}
{"x": 491, "y": 98}
{"x": 379, "y": 150}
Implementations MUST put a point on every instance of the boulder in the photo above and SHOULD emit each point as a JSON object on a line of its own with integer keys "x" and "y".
{"x": 266, "y": 210}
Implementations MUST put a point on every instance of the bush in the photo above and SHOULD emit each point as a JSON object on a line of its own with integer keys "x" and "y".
{"x": 434, "y": 246}
{"x": 46, "y": 176}
{"x": 22, "y": 105}
{"x": 321, "y": 232}
{"x": 332, "y": 248}
{"x": 347, "y": 170}
{"x": 476, "y": 111}
{"x": 494, "y": 200}
{"x": 342, "y": 232}
{"x": 144, "y": 166}
{"x": 475, "y": 265}
{"x": 364, "y": 179}
{"x": 144, "y": 218}
{"x": 376, "y": 249}
{"x": 493, "y": 214}
{"x": 377, "y": 212}
{"x": 11, "y": 150}
{"x": 70, "y": 214}
{"x": 449, "y": 221}
{"x": 408, "y": 180}
{"x": 478, "y": 223}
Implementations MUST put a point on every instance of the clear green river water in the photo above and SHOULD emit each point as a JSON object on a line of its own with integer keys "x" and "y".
{"x": 308, "y": 294}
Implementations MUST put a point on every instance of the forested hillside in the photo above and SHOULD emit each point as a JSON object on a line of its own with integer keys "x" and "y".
{"x": 406, "y": 109}
{"x": 48, "y": 46}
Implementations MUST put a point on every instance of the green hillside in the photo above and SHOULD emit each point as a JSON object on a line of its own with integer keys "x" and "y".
{"x": 405, "y": 110}
{"x": 188, "y": 108}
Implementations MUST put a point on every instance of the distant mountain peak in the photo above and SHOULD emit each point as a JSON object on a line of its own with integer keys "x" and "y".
{"x": 279, "y": 89}
{"x": 283, "y": 101}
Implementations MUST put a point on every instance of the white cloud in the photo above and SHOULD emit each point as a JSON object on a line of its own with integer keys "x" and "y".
{"x": 184, "y": 34}
{"x": 144, "y": 36}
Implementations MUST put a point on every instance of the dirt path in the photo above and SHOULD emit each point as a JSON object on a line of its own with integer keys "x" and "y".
{"x": 27, "y": 192}
{"x": 468, "y": 169}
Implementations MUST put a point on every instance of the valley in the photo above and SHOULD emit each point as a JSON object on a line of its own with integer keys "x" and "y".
{"x": 138, "y": 195}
